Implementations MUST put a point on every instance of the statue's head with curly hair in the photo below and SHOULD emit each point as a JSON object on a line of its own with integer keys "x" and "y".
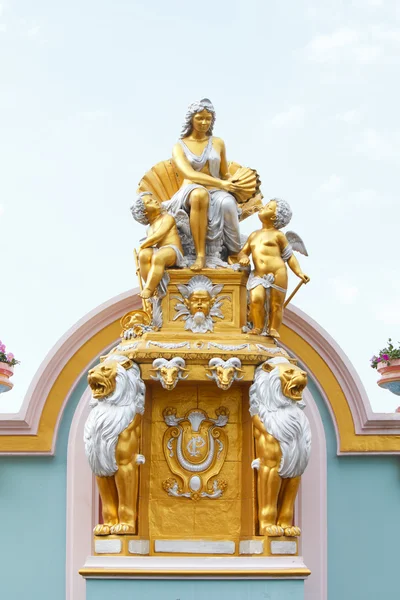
{"x": 145, "y": 204}
{"x": 278, "y": 211}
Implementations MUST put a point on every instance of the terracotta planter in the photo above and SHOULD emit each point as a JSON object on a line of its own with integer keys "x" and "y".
{"x": 390, "y": 376}
{"x": 6, "y": 371}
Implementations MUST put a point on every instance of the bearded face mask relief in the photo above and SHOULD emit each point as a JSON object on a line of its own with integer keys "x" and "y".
{"x": 199, "y": 304}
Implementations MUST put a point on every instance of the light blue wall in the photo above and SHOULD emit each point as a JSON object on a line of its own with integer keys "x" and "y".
{"x": 363, "y": 521}
{"x": 363, "y": 530}
{"x": 194, "y": 590}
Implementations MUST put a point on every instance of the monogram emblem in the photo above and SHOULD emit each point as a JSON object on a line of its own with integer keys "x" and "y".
{"x": 194, "y": 443}
{"x": 195, "y": 448}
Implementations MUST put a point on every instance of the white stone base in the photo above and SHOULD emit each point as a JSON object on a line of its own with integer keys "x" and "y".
{"x": 251, "y": 547}
{"x": 139, "y": 547}
{"x": 107, "y": 546}
{"x": 195, "y": 567}
{"x": 195, "y": 546}
{"x": 283, "y": 547}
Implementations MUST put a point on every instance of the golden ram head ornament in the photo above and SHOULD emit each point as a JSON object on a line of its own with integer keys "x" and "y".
{"x": 225, "y": 372}
{"x": 169, "y": 372}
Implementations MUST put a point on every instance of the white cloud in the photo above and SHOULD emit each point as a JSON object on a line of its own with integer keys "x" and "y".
{"x": 293, "y": 116}
{"x": 33, "y": 31}
{"x": 378, "y": 146}
{"x": 331, "y": 185}
{"x": 361, "y": 46}
{"x": 352, "y": 117}
{"x": 93, "y": 115}
{"x": 3, "y": 26}
{"x": 345, "y": 292}
{"x": 389, "y": 314}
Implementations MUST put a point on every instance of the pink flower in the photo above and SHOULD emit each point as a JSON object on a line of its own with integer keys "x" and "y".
{"x": 2, "y": 348}
{"x": 385, "y": 357}
{"x": 10, "y": 356}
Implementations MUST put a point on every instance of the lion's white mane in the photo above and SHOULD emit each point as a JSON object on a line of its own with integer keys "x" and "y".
{"x": 283, "y": 418}
{"x": 111, "y": 416}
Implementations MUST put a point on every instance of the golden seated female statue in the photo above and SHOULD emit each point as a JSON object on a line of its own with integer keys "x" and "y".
{"x": 206, "y": 194}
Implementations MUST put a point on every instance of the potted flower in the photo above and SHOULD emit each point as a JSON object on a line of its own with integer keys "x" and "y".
{"x": 387, "y": 362}
{"x": 7, "y": 362}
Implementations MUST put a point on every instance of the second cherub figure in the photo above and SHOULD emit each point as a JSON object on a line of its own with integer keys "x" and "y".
{"x": 271, "y": 249}
{"x": 162, "y": 248}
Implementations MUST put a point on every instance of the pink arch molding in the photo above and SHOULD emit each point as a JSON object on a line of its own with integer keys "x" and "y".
{"x": 26, "y": 421}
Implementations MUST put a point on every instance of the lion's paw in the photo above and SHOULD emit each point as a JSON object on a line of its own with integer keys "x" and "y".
{"x": 272, "y": 531}
{"x": 292, "y": 531}
{"x": 102, "y": 529}
{"x": 123, "y": 529}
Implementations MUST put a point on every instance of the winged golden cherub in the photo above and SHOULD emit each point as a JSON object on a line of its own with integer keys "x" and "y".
{"x": 270, "y": 249}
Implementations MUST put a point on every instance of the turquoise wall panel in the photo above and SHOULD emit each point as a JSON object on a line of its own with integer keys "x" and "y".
{"x": 363, "y": 523}
{"x": 33, "y": 509}
{"x": 194, "y": 590}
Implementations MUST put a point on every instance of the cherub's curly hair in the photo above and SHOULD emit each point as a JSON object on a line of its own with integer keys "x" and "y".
{"x": 193, "y": 109}
{"x": 283, "y": 213}
{"x": 138, "y": 209}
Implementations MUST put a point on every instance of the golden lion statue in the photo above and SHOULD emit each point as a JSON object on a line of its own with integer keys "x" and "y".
{"x": 112, "y": 435}
{"x": 283, "y": 443}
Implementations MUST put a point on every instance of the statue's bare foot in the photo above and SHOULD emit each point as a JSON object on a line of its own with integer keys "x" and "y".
{"x": 273, "y": 333}
{"x": 292, "y": 531}
{"x": 102, "y": 529}
{"x": 146, "y": 293}
{"x": 271, "y": 530}
{"x": 198, "y": 264}
{"x": 255, "y": 331}
{"x": 123, "y": 529}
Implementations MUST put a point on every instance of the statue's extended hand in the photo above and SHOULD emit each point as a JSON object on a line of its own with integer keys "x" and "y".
{"x": 305, "y": 278}
{"x": 230, "y": 187}
{"x": 244, "y": 260}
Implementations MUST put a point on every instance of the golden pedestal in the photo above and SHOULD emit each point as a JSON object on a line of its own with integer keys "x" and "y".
{"x": 182, "y": 510}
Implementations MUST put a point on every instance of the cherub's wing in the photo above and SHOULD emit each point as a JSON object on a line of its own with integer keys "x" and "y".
{"x": 182, "y": 222}
{"x": 296, "y": 242}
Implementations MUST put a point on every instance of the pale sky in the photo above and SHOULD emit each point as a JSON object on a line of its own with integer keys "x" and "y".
{"x": 94, "y": 92}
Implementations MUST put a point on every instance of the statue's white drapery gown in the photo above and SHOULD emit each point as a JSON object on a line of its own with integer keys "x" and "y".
{"x": 223, "y": 211}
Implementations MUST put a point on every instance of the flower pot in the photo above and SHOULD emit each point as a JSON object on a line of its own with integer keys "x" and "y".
{"x": 390, "y": 376}
{"x": 6, "y": 372}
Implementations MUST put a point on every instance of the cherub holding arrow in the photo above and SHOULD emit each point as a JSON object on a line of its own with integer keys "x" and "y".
{"x": 271, "y": 249}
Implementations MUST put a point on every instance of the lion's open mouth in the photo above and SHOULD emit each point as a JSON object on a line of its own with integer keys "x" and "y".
{"x": 99, "y": 388}
{"x": 294, "y": 390}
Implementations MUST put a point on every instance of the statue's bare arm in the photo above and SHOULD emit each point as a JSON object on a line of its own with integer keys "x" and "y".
{"x": 155, "y": 238}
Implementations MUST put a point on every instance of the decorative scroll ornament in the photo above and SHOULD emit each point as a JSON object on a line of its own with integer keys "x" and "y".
{"x": 195, "y": 448}
{"x": 134, "y": 324}
{"x": 199, "y": 304}
{"x": 224, "y": 372}
{"x": 228, "y": 347}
